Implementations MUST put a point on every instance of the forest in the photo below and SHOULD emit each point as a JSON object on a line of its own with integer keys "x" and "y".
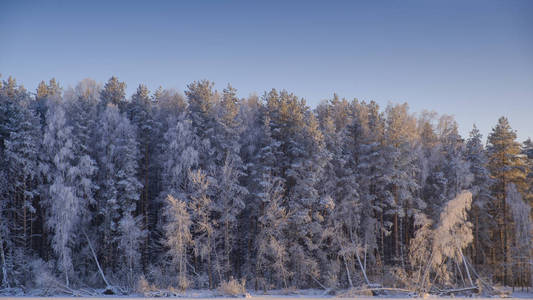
{"x": 203, "y": 189}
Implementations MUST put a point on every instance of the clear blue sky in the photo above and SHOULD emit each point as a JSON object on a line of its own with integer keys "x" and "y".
{"x": 471, "y": 59}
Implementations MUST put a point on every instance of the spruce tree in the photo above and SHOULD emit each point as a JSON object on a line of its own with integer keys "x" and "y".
{"x": 481, "y": 196}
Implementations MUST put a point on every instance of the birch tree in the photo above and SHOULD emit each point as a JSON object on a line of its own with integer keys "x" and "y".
{"x": 65, "y": 207}
{"x": 178, "y": 237}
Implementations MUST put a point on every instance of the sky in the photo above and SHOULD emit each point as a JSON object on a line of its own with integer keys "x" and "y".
{"x": 469, "y": 59}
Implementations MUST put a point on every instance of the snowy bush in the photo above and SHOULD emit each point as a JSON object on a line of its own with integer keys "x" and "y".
{"x": 232, "y": 287}
{"x": 44, "y": 277}
{"x": 143, "y": 286}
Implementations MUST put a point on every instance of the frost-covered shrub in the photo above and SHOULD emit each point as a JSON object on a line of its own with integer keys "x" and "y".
{"x": 44, "y": 278}
{"x": 355, "y": 292}
{"x": 232, "y": 287}
{"x": 400, "y": 278}
{"x": 291, "y": 290}
{"x": 143, "y": 286}
{"x": 183, "y": 283}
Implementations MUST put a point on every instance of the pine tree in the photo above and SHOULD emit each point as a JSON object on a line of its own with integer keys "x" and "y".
{"x": 399, "y": 135}
{"x": 21, "y": 154}
{"x": 231, "y": 194}
{"x": 373, "y": 177}
{"x": 19, "y": 147}
{"x": 46, "y": 92}
{"x": 141, "y": 114}
{"x": 114, "y": 92}
{"x": 305, "y": 155}
{"x": 506, "y": 166}
{"x": 257, "y": 152}
{"x": 202, "y": 101}
{"x": 5, "y": 242}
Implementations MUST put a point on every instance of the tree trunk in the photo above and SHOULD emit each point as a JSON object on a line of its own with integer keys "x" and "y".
{"x": 396, "y": 233}
{"x": 503, "y": 233}
{"x": 347, "y": 271}
{"x": 466, "y": 267}
{"x": 5, "y": 282}
{"x": 96, "y": 259}
{"x": 363, "y": 269}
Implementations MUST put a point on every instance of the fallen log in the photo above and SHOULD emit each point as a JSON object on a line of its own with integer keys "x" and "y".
{"x": 473, "y": 289}
{"x": 374, "y": 291}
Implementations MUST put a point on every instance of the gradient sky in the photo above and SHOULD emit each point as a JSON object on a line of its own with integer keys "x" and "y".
{"x": 470, "y": 59}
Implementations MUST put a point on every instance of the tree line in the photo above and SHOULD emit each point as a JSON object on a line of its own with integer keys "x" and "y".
{"x": 193, "y": 190}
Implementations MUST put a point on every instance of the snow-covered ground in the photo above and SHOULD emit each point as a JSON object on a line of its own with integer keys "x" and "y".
{"x": 516, "y": 296}
{"x": 207, "y": 295}
{"x": 308, "y": 294}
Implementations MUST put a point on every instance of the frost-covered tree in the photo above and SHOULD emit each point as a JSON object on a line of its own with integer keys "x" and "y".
{"x": 46, "y": 92}
{"x": 522, "y": 235}
{"x": 303, "y": 163}
{"x": 372, "y": 176}
{"x": 130, "y": 238}
{"x": 527, "y": 151}
{"x": 448, "y": 169}
{"x": 114, "y": 92}
{"x": 400, "y": 132}
{"x": 202, "y": 100}
{"x": 229, "y": 205}
{"x": 420, "y": 249}
{"x": 456, "y": 168}
{"x": 230, "y": 192}
{"x": 258, "y": 155}
{"x": 65, "y": 208}
{"x": 119, "y": 190}
{"x": 353, "y": 203}
{"x": 272, "y": 265}
{"x": 178, "y": 237}
{"x": 20, "y": 139}
{"x": 438, "y": 252}
{"x": 81, "y": 108}
{"x": 180, "y": 157}
{"x": 506, "y": 165}
{"x": 481, "y": 196}
{"x": 203, "y": 227}
{"x": 140, "y": 111}
{"x": 21, "y": 155}
{"x": 5, "y": 241}
{"x": 80, "y": 104}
